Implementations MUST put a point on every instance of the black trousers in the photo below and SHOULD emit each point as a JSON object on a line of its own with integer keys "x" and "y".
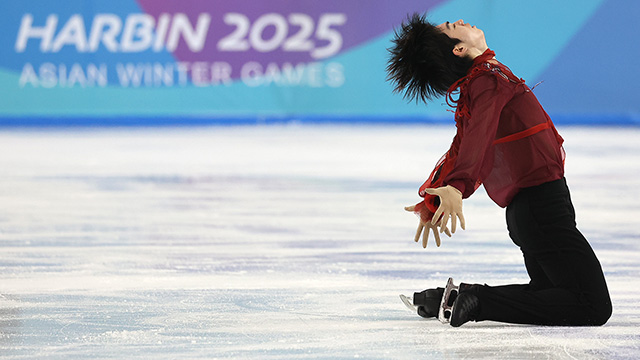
{"x": 567, "y": 285}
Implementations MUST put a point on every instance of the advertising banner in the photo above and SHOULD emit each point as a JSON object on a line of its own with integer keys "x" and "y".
{"x": 194, "y": 61}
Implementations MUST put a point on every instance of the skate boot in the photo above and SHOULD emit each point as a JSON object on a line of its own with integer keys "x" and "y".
{"x": 426, "y": 303}
{"x": 465, "y": 308}
{"x": 450, "y": 297}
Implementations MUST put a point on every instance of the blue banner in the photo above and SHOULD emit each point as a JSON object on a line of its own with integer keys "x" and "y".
{"x": 155, "y": 62}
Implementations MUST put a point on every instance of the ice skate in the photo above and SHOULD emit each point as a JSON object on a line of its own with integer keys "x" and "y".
{"x": 408, "y": 303}
{"x": 466, "y": 308}
{"x": 448, "y": 300}
{"x": 426, "y": 303}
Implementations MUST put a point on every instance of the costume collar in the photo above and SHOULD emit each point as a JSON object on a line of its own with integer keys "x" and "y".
{"x": 473, "y": 71}
{"x": 485, "y": 57}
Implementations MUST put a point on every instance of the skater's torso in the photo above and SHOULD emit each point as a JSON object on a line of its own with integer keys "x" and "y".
{"x": 508, "y": 140}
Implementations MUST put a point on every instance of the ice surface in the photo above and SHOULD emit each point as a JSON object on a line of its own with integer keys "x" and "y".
{"x": 278, "y": 242}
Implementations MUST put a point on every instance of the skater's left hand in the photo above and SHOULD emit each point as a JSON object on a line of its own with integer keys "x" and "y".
{"x": 450, "y": 207}
{"x": 423, "y": 229}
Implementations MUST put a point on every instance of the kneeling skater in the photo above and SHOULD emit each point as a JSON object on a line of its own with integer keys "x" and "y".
{"x": 506, "y": 142}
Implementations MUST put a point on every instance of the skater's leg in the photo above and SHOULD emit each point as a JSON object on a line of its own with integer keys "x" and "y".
{"x": 573, "y": 290}
{"x": 538, "y": 278}
{"x": 544, "y": 307}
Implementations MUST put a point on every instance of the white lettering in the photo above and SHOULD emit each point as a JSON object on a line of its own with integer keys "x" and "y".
{"x": 62, "y": 75}
{"x": 293, "y": 75}
{"x": 76, "y": 75}
{"x": 161, "y": 32}
{"x": 208, "y": 74}
{"x": 272, "y": 74}
{"x": 199, "y": 73}
{"x": 195, "y": 38}
{"x": 28, "y": 76}
{"x": 335, "y": 74}
{"x": 272, "y": 31}
{"x": 221, "y": 73}
{"x": 269, "y": 20}
{"x": 314, "y": 74}
{"x": 183, "y": 69}
{"x": 44, "y": 33}
{"x": 130, "y": 74}
{"x": 253, "y": 74}
{"x": 106, "y": 36}
{"x": 162, "y": 75}
{"x": 97, "y": 75}
{"x": 73, "y": 33}
{"x": 50, "y": 75}
{"x": 147, "y": 74}
{"x": 138, "y": 33}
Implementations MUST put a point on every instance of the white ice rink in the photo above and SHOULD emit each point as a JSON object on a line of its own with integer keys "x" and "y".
{"x": 279, "y": 242}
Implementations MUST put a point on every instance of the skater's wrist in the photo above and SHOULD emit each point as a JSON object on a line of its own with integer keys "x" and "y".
{"x": 458, "y": 185}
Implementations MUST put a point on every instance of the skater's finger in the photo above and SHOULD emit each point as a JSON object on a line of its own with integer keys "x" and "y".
{"x": 461, "y": 220}
{"x": 437, "y": 236}
{"x": 425, "y": 238}
{"x": 436, "y": 216}
{"x": 418, "y": 232}
{"x": 446, "y": 231}
{"x": 443, "y": 223}
{"x": 432, "y": 191}
{"x": 410, "y": 208}
{"x": 445, "y": 219}
{"x": 453, "y": 224}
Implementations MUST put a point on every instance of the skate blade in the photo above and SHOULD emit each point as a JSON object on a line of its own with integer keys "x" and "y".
{"x": 446, "y": 306}
{"x": 408, "y": 303}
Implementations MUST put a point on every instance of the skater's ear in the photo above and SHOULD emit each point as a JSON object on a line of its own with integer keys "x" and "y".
{"x": 460, "y": 50}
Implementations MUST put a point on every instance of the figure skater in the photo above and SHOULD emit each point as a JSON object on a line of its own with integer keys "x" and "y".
{"x": 506, "y": 142}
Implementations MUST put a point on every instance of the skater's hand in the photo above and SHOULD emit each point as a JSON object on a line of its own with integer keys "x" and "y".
{"x": 450, "y": 207}
{"x": 423, "y": 229}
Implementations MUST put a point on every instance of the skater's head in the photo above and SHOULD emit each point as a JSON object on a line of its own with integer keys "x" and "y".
{"x": 471, "y": 41}
{"x": 427, "y": 59}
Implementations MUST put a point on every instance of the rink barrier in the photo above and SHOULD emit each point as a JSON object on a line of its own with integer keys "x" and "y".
{"x": 189, "y": 120}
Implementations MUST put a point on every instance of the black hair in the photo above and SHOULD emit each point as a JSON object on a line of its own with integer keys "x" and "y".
{"x": 422, "y": 63}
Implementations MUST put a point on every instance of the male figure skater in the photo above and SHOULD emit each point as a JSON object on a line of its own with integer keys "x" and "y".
{"x": 507, "y": 142}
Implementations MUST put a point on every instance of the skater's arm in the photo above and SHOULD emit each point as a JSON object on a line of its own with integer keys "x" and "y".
{"x": 487, "y": 97}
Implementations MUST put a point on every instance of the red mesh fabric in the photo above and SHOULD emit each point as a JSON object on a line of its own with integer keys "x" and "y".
{"x": 426, "y": 208}
{"x": 507, "y": 134}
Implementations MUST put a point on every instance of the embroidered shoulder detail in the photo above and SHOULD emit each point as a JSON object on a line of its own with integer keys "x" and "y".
{"x": 507, "y": 75}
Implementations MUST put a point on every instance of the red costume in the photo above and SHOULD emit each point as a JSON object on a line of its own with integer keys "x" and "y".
{"x": 505, "y": 140}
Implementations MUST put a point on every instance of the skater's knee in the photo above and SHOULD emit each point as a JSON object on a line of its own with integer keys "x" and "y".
{"x": 597, "y": 316}
{"x": 602, "y": 314}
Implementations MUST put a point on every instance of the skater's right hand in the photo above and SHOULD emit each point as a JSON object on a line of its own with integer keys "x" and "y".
{"x": 424, "y": 227}
{"x": 450, "y": 206}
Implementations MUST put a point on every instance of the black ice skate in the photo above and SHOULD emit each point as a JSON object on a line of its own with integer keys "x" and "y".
{"x": 426, "y": 303}
{"x": 448, "y": 301}
{"x": 466, "y": 308}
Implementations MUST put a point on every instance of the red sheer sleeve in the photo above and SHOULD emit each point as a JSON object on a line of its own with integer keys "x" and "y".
{"x": 487, "y": 96}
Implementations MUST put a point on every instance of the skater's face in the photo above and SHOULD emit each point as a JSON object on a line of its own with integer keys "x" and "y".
{"x": 472, "y": 42}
